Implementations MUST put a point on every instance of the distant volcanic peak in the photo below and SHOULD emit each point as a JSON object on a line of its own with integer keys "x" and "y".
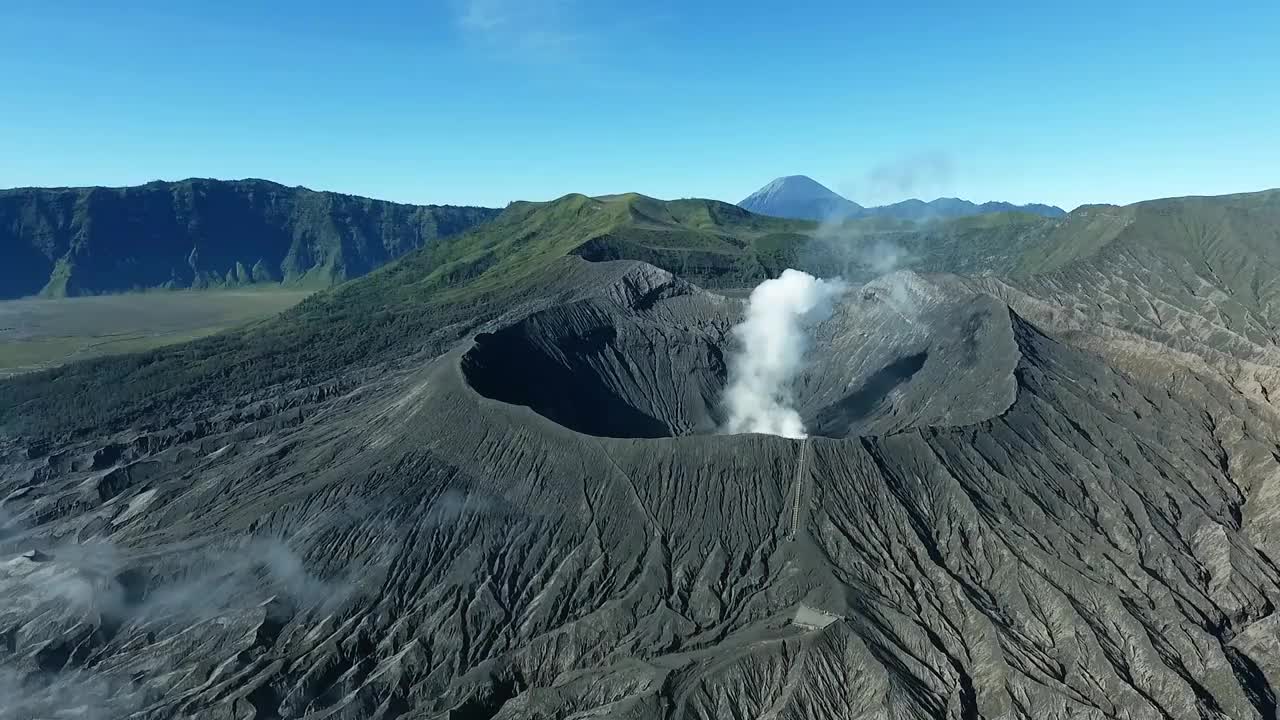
{"x": 798, "y": 196}
{"x": 791, "y": 187}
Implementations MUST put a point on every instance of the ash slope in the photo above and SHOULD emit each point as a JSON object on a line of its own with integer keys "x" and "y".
{"x": 996, "y": 525}
{"x": 1008, "y": 527}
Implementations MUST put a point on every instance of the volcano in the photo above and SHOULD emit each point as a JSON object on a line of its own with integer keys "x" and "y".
{"x": 489, "y": 481}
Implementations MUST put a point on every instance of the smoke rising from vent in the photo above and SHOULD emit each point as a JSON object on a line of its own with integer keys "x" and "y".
{"x": 853, "y": 250}
{"x": 918, "y": 174}
{"x": 772, "y": 342}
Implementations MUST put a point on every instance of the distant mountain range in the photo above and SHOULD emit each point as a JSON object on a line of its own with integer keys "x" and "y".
{"x": 205, "y": 233}
{"x": 803, "y": 198}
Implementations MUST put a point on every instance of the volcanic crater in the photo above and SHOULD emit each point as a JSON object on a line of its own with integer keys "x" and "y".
{"x": 897, "y": 353}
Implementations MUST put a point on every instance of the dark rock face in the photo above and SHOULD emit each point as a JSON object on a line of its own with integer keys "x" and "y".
{"x": 540, "y": 523}
{"x": 204, "y": 233}
{"x": 656, "y": 372}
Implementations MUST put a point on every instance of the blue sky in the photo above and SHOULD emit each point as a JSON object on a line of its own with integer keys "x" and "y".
{"x": 487, "y": 101}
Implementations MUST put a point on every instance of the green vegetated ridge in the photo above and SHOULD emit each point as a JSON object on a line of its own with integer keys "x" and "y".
{"x": 205, "y": 234}
{"x": 1234, "y": 238}
{"x": 435, "y": 295}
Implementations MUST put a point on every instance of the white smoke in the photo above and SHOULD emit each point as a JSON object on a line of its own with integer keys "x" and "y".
{"x": 772, "y": 342}
{"x": 73, "y": 694}
{"x": 881, "y": 256}
{"x": 853, "y": 249}
{"x": 921, "y": 174}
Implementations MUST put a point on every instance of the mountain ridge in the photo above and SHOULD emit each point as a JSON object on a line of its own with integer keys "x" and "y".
{"x": 199, "y": 233}
{"x": 802, "y": 197}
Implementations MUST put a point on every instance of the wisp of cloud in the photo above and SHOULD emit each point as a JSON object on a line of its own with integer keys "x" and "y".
{"x": 772, "y": 342}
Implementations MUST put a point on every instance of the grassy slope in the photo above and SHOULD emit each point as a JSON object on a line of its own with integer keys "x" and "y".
{"x": 1230, "y": 230}
{"x": 1160, "y": 267}
{"x": 712, "y": 243}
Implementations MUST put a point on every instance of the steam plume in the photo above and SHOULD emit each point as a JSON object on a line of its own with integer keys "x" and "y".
{"x": 923, "y": 172}
{"x": 916, "y": 174}
{"x": 772, "y": 340}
